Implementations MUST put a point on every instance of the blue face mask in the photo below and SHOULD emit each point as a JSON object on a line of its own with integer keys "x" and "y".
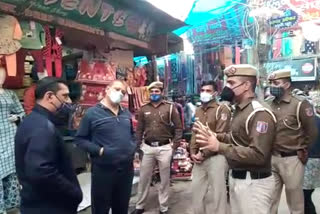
{"x": 155, "y": 97}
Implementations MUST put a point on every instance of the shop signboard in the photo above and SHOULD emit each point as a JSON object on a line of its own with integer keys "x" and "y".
{"x": 108, "y": 15}
{"x": 309, "y": 8}
{"x": 288, "y": 20}
{"x": 306, "y": 9}
{"x": 301, "y": 69}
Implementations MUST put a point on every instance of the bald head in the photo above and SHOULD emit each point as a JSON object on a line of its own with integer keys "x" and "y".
{"x": 117, "y": 85}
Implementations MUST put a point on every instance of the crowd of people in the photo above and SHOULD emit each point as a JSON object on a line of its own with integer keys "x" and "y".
{"x": 238, "y": 141}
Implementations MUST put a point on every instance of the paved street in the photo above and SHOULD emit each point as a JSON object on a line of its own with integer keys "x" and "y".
{"x": 180, "y": 200}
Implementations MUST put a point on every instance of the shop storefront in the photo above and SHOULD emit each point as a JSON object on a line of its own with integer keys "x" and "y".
{"x": 89, "y": 44}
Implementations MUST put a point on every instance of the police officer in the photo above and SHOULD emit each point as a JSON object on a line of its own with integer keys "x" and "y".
{"x": 248, "y": 146}
{"x": 210, "y": 169}
{"x": 296, "y": 129}
{"x": 159, "y": 125}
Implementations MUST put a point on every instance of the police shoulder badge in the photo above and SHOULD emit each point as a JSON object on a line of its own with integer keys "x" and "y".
{"x": 224, "y": 116}
{"x": 262, "y": 127}
{"x": 309, "y": 112}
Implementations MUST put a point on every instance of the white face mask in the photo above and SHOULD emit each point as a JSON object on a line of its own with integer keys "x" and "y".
{"x": 206, "y": 97}
{"x": 116, "y": 96}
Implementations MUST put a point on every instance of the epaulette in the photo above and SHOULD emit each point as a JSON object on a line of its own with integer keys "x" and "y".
{"x": 168, "y": 102}
{"x": 269, "y": 99}
{"x": 300, "y": 97}
{"x": 143, "y": 105}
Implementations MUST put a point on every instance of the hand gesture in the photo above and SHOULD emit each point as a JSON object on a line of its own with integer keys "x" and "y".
{"x": 205, "y": 137}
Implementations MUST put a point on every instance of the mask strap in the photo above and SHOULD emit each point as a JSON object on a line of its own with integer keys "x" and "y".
{"x": 238, "y": 85}
{"x": 59, "y": 101}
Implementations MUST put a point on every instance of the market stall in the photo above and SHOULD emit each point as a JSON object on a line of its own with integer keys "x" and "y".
{"x": 87, "y": 43}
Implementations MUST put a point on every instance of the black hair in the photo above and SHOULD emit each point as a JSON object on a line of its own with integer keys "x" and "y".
{"x": 48, "y": 84}
{"x": 210, "y": 82}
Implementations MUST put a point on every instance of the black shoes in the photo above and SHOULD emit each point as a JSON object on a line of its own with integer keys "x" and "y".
{"x": 138, "y": 211}
{"x": 166, "y": 212}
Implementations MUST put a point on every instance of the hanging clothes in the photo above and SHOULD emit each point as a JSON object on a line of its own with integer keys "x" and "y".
{"x": 286, "y": 47}
{"x": 9, "y": 193}
{"x": 297, "y": 43}
{"x": 309, "y": 47}
{"x": 139, "y": 96}
{"x": 277, "y": 41}
{"x": 53, "y": 50}
{"x": 17, "y": 81}
{"x": 29, "y": 98}
{"x": 10, "y": 34}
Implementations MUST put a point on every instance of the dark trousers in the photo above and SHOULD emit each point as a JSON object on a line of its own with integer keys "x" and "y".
{"x": 111, "y": 188}
{"x": 308, "y": 204}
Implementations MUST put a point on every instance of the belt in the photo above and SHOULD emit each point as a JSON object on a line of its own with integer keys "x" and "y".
{"x": 242, "y": 174}
{"x": 286, "y": 154}
{"x": 157, "y": 143}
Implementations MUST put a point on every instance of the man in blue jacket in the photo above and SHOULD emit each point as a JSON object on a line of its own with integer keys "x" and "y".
{"x": 106, "y": 133}
{"x": 48, "y": 183}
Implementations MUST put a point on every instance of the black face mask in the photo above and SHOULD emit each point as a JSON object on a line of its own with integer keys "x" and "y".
{"x": 278, "y": 92}
{"x": 227, "y": 93}
{"x": 63, "y": 113}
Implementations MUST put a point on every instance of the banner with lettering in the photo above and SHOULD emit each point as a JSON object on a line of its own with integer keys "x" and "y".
{"x": 306, "y": 9}
{"x": 108, "y": 15}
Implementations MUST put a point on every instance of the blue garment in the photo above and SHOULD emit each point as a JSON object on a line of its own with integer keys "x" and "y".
{"x": 314, "y": 150}
{"x": 101, "y": 128}
{"x": 44, "y": 168}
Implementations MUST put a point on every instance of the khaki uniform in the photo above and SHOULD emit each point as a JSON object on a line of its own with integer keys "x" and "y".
{"x": 293, "y": 134}
{"x": 248, "y": 151}
{"x": 154, "y": 126}
{"x": 213, "y": 170}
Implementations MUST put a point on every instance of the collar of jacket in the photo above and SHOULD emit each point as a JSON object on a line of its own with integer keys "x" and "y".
{"x": 286, "y": 98}
{"x": 211, "y": 104}
{"x": 245, "y": 103}
{"x": 162, "y": 102}
{"x": 43, "y": 111}
{"x": 101, "y": 105}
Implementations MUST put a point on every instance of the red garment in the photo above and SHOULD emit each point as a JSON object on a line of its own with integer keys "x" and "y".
{"x": 53, "y": 52}
{"x": 29, "y": 98}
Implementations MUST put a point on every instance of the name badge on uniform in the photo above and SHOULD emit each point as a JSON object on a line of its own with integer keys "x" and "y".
{"x": 147, "y": 113}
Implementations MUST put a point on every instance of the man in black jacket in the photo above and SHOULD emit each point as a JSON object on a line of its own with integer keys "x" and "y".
{"x": 106, "y": 133}
{"x": 48, "y": 183}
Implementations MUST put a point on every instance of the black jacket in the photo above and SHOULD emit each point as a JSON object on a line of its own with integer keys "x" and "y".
{"x": 101, "y": 128}
{"x": 48, "y": 183}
